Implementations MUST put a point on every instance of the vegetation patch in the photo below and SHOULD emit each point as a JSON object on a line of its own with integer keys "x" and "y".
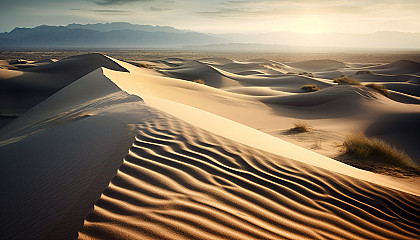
{"x": 310, "y": 88}
{"x": 361, "y": 72}
{"x": 299, "y": 127}
{"x": 380, "y": 88}
{"x": 144, "y": 65}
{"x": 346, "y": 80}
{"x": 308, "y": 74}
{"x": 200, "y": 81}
{"x": 375, "y": 150}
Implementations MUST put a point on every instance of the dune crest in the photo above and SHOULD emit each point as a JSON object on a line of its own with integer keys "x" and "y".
{"x": 22, "y": 89}
{"x": 143, "y": 151}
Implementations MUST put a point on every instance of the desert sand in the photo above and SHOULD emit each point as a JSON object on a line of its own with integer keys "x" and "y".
{"x": 97, "y": 148}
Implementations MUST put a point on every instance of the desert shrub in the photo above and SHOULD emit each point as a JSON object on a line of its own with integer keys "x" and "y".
{"x": 310, "y": 88}
{"x": 346, "y": 80}
{"x": 200, "y": 81}
{"x": 144, "y": 65}
{"x": 363, "y": 72}
{"x": 308, "y": 74}
{"x": 299, "y": 127}
{"x": 376, "y": 150}
{"x": 380, "y": 88}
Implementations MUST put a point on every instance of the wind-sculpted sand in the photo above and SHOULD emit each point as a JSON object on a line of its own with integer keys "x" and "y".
{"x": 267, "y": 95}
{"x": 180, "y": 182}
{"x": 144, "y": 150}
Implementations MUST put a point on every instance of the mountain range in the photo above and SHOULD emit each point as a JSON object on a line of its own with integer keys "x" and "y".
{"x": 106, "y": 27}
{"x": 115, "y": 35}
{"x": 127, "y": 35}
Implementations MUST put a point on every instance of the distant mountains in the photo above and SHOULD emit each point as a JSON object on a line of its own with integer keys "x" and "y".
{"x": 113, "y": 35}
{"x": 106, "y": 27}
{"x": 127, "y": 35}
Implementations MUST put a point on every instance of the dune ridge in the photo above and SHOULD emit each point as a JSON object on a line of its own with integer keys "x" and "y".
{"x": 159, "y": 156}
{"x": 24, "y": 88}
{"x": 275, "y": 100}
{"x": 179, "y": 181}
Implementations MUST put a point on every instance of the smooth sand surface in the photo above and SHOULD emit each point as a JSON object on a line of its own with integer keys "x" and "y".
{"x": 158, "y": 156}
{"x": 22, "y": 89}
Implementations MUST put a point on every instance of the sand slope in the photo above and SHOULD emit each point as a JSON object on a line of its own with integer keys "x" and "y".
{"x": 398, "y": 67}
{"x": 22, "y": 89}
{"x": 158, "y": 156}
{"x": 274, "y": 101}
{"x": 317, "y": 65}
{"x": 56, "y": 157}
{"x": 182, "y": 182}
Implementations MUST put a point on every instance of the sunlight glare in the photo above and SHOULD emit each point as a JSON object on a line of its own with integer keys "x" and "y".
{"x": 310, "y": 24}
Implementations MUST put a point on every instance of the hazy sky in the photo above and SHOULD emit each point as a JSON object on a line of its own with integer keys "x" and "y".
{"x": 220, "y": 16}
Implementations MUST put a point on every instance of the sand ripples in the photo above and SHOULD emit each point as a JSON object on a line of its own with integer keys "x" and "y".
{"x": 180, "y": 182}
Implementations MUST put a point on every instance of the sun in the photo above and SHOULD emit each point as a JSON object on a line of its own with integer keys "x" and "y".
{"x": 310, "y": 24}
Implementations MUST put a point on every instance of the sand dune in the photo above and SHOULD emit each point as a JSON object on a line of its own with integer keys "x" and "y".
{"x": 193, "y": 71}
{"x": 317, "y": 65}
{"x": 159, "y": 156}
{"x": 23, "y": 89}
{"x": 405, "y": 98}
{"x": 336, "y": 93}
{"x": 216, "y": 60}
{"x": 398, "y": 67}
{"x": 399, "y": 129}
{"x": 56, "y": 157}
{"x": 181, "y": 182}
{"x": 372, "y": 77}
{"x": 239, "y": 67}
{"x": 407, "y": 88}
{"x": 274, "y": 102}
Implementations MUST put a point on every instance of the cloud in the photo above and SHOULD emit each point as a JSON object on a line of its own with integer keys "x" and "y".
{"x": 111, "y": 11}
{"x": 160, "y": 9}
{"x": 238, "y": 8}
{"x": 103, "y": 11}
{"x": 118, "y": 2}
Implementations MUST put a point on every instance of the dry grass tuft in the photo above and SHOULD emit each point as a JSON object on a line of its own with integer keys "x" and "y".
{"x": 144, "y": 65}
{"x": 300, "y": 127}
{"x": 308, "y": 74}
{"x": 346, "y": 80}
{"x": 363, "y": 72}
{"x": 200, "y": 81}
{"x": 376, "y": 150}
{"x": 380, "y": 88}
{"x": 310, "y": 88}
